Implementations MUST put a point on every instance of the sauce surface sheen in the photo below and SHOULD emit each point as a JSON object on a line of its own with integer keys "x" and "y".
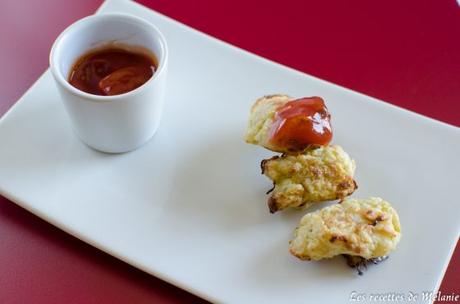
{"x": 301, "y": 123}
{"x": 111, "y": 71}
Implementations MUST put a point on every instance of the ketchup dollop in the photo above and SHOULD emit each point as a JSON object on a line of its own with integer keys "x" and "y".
{"x": 301, "y": 123}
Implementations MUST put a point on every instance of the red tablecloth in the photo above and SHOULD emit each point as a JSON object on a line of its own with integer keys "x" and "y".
{"x": 404, "y": 52}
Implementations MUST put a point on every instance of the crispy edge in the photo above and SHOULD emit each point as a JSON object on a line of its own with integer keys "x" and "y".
{"x": 266, "y": 98}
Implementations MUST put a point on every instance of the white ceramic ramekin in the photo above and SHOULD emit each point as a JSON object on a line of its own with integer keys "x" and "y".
{"x": 119, "y": 123}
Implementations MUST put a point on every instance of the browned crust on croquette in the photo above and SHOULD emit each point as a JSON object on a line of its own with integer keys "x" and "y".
{"x": 264, "y": 162}
{"x": 272, "y": 204}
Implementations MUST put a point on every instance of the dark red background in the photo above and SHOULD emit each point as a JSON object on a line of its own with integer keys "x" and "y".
{"x": 404, "y": 52}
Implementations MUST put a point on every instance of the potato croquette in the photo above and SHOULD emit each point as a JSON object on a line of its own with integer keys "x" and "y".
{"x": 283, "y": 124}
{"x": 366, "y": 228}
{"x": 319, "y": 174}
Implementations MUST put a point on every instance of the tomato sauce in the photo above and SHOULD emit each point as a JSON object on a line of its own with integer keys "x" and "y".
{"x": 301, "y": 123}
{"x": 111, "y": 71}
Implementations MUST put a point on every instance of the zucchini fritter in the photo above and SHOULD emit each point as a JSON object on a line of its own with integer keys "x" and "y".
{"x": 319, "y": 174}
{"x": 367, "y": 228}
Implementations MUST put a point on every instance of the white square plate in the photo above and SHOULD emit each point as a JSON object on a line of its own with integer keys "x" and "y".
{"x": 190, "y": 206}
